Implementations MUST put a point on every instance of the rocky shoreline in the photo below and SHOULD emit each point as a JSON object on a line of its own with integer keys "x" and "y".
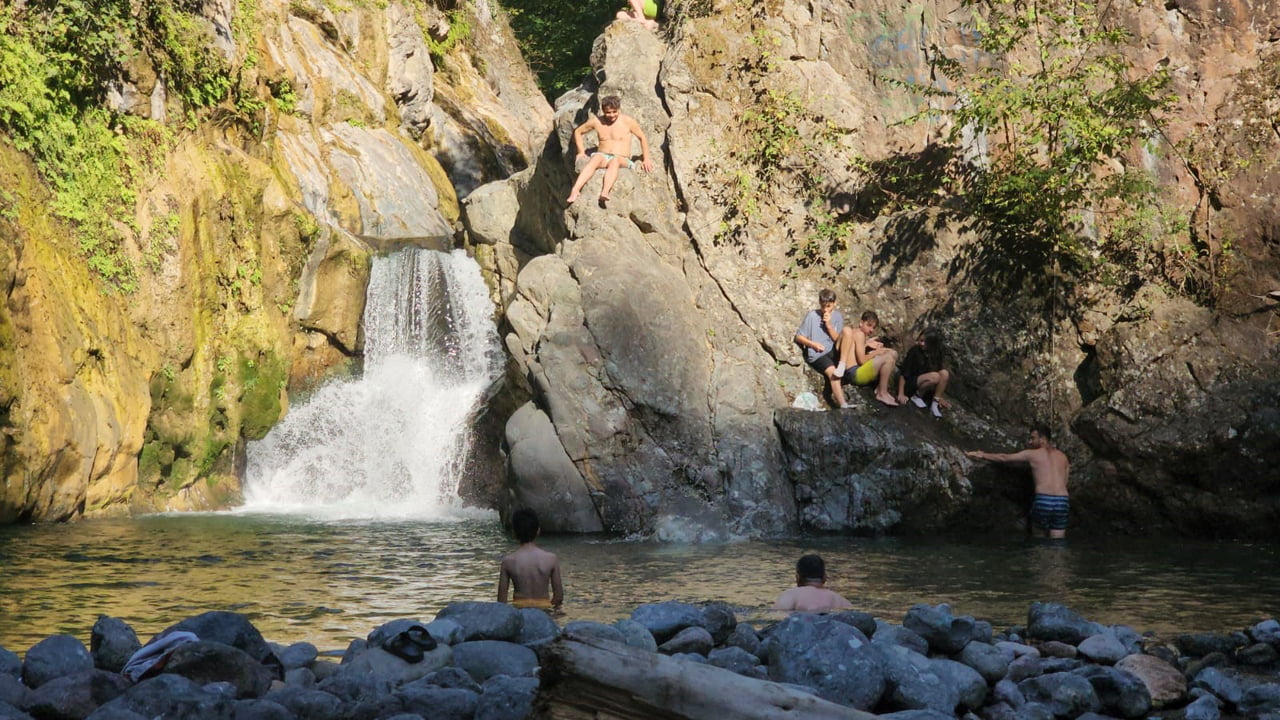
{"x": 490, "y": 661}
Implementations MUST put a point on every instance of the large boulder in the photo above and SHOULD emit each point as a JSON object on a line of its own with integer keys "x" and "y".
{"x": 168, "y": 695}
{"x": 664, "y": 619}
{"x": 54, "y": 657}
{"x": 1165, "y": 684}
{"x": 1053, "y": 621}
{"x": 231, "y": 629}
{"x": 484, "y": 620}
{"x": 484, "y": 659}
{"x": 206, "y": 661}
{"x": 112, "y": 642}
{"x": 806, "y": 649}
{"x": 75, "y": 696}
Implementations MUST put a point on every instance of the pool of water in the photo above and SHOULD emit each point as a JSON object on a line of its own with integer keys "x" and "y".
{"x": 329, "y": 582}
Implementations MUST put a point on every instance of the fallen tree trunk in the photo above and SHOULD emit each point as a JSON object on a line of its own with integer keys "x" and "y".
{"x": 587, "y": 678}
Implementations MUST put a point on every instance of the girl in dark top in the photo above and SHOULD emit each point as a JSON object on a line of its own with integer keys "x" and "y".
{"x": 922, "y": 375}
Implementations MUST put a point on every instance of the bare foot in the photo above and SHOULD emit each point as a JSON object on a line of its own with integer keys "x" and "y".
{"x": 604, "y": 201}
{"x": 887, "y": 399}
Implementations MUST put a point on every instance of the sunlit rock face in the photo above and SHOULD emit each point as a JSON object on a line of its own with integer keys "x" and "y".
{"x": 253, "y": 247}
{"x": 660, "y": 351}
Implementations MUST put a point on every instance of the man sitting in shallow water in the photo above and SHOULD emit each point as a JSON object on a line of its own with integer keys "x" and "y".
{"x": 810, "y": 593}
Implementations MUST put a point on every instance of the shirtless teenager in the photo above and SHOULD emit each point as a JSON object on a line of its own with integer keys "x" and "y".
{"x": 1049, "y": 469}
{"x": 810, "y": 593}
{"x": 613, "y": 135}
{"x": 875, "y": 361}
{"x": 530, "y": 568}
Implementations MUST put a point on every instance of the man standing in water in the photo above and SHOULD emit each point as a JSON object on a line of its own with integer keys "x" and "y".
{"x": 810, "y": 593}
{"x": 1049, "y": 468}
{"x": 613, "y": 151}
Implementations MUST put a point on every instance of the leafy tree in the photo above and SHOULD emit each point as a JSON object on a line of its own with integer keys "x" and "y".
{"x": 556, "y": 38}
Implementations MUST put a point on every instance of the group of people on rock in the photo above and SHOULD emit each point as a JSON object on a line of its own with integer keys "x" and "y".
{"x": 853, "y": 354}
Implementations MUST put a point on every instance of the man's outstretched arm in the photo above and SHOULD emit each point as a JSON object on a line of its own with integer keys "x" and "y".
{"x": 1023, "y": 456}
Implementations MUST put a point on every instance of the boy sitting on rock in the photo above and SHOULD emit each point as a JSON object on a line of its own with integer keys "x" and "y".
{"x": 530, "y": 568}
{"x": 613, "y": 139}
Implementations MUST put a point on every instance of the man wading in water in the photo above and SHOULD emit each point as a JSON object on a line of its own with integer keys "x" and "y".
{"x": 1049, "y": 468}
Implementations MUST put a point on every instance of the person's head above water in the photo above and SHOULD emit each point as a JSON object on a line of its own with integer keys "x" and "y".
{"x": 524, "y": 523}
{"x": 810, "y": 569}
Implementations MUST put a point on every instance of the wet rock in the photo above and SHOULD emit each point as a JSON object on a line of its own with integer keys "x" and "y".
{"x": 745, "y": 638}
{"x": 1258, "y": 654}
{"x": 1104, "y": 648}
{"x": 1006, "y": 691}
{"x": 599, "y": 631}
{"x": 665, "y": 619}
{"x": 10, "y": 663}
{"x": 231, "y": 629}
{"x": 439, "y": 703}
{"x": 75, "y": 696}
{"x": 991, "y": 662}
{"x": 302, "y": 677}
{"x": 719, "y": 620}
{"x": 1018, "y": 649}
{"x": 382, "y": 664}
{"x": 507, "y": 698}
{"x": 1035, "y": 711}
{"x": 943, "y": 633}
{"x": 997, "y": 711}
{"x": 1027, "y": 666}
{"x": 261, "y": 710}
{"x": 1164, "y": 683}
{"x": 805, "y": 649}
{"x": 638, "y": 636}
{"x": 448, "y": 632}
{"x": 205, "y": 662}
{"x": 1066, "y": 694}
{"x": 1267, "y": 631}
{"x": 865, "y": 622}
{"x": 918, "y": 715}
{"x": 54, "y": 657}
{"x": 735, "y": 659}
{"x": 1052, "y": 621}
{"x": 1261, "y": 700}
{"x": 1122, "y": 693}
{"x": 969, "y": 684}
{"x": 9, "y": 712}
{"x": 1222, "y": 684}
{"x": 170, "y": 696}
{"x": 1055, "y": 665}
{"x": 484, "y": 659}
{"x": 298, "y": 655}
{"x": 536, "y": 627}
{"x": 484, "y": 620}
{"x": 1055, "y": 649}
{"x": 307, "y": 703}
{"x": 1203, "y": 708}
{"x": 898, "y": 635}
{"x": 1128, "y": 637}
{"x": 910, "y": 681}
{"x": 1199, "y": 644}
{"x": 356, "y": 685}
{"x": 112, "y": 642}
{"x": 1216, "y": 659}
{"x": 451, "y": 677}
{"x": 689, "y": 640}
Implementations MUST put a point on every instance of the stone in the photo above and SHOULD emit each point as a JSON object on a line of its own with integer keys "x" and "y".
{"x": 507, "y": 698}
{"x": 1066, "y": 694}
{"x": 1261, "y": 700}
{"x": 1128, "y": 637}
{"x": 10, "y": 663}
{"x": 448, "y": 632}
{"x": 969, "y": 684}
{"x": 409, "y": 70}
{"x": 1223, "y": 684}
{"x": 298, "y": 655}
{"x": 926, "y": 714}
{"x": 691, "y": 657}
{"x": 262, "y": 710}
{"x": 1052, "y": 621}
{"x": 595, "y": 630}
{"x": 719, "y": 620}
{"x": 694, "y": 640}
{"x": 865, "y": 622}
{"x": 307, "y": 703}
{"x": 943, "y": 633}
{"x": 1165, "y": 684}
{"x": 358, "y": 684}
{"x": 911, "y": 681}
{"x": 484, "y": 659}
{"x": 231, "y": 629}
{"x": 734, "y": 659}
{"x": 1258, "y": 654}
{"x": 745, "y": 638}
{"x": 664, "y": 619}
{"x": 1203, "y": 708}
{"x": 75, "y": 696}
{"x": 1104, "y": 648}
{"x": 536, "y": 627}
{"x": 382, "y": 664}
{"x": 301, "y": 677}
{"x": 1055, "y": 649}
{"x": 1006, "y": 691}
{"x": 898, "y": 635}
{"x": 206, "y": 661}
{"x": 548, "y": 481}
{"x": 1199, "y": 644}
{"x": 638, "y": 636}
{"x": 1267, "y": 631}
{"x": 1026, "y": 666}
{"x": 111, "y": 643}
{"x": 1018, "y": 649}
{"x": 991, "y": 662}
{"x": 1122, "y": 693}
{"x": 484, "y": 620}
{"x": 54, "y": 657}
{"x": 829, "y": 657}
{"x": 451, "y": 677}
{"x": 168, "y": 695}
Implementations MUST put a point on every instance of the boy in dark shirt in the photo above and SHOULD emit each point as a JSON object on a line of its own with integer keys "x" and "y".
{"x": 922, "y": 374}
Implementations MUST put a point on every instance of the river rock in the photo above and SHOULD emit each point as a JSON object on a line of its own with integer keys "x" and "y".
{"x": 898, "y": 635}
{"x": 9, "y": 712}
{"x": 12, "y": 691}
{"x": 1066, "y": 694}
{"x": 925, "y": 714}
{"x": 991, "y": 662}
{"x": 298, "y": 655}
{"x": 75, "y": 696}
{"x": 1267, "y": 631}
{"x": 1164, "y": 683}
{"x": 1055, "y": 649}
{"x": 969, "y": 684}
{"x": 827, "y": 656}
{"x": 1258, "y": 654}
{"x": 637, "y": 635}
{"x": 484, "y": 620}
{"x": 484, "y": 659}
{"x": 1018, "y": 649}
{"x": 379, "y": 663}
{"x": 436, "y": 702}
{"x": 745, "y": 638}
{"x": 112, "y": 642}
{"x": 1026, "y": 666}
{"x": 1221, "y": 683}
{"x": 1128, "y": 637}
{"x": 1007, "y": 692}
{"x": 587, "y": 628}
{"x": 665, "y": 619}
{"x": 549, "y": 483}
{"x": 1104, "y": 648}
{"x": 307, "y": 703}
{"x": 302, "y": 677}
{"x": 448, "y": 632}
{"x": 1199, "y": 644}
{"x": 735, "y": 659}
{"x": 865, "y": 622}
{"x": 231, "y": 629}
{"x": 694, "y": 640}
{"x": 170, "y": 696}
{"x": 507, "y": 698}
{"x": 719, "y": 620}
{"x": 1122, "y": 693}
{"x": 536, "y": 627}
{"x": 10, "y": 663}
{"x": 450, "y": 677}
{"x": 205, "y": 662}
{"x": 1205, "y": 707}
{"x": 1052, "y": 621}
{"x": 54, "y": 657}
{"x": 1261, "y": 700}
{"x": 911, "y": 683}
{"x": 262, "y": 710}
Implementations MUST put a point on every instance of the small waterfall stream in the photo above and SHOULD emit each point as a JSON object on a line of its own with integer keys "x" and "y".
{"x": 391, "y": 443}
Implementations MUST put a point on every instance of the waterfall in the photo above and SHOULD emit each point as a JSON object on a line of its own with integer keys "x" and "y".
{"x": 391, "y": 443}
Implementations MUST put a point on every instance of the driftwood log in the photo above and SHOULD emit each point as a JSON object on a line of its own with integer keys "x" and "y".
{"x": 587, "y": 678}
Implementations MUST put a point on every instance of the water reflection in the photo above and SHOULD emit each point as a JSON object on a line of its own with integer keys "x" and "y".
{"x": 330, "y": 582}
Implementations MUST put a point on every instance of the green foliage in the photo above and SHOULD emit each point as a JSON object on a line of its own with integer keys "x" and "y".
{"x": 556, "y": 38}
{"x": 195, "y": 70}
{"x": 459, "y": 21}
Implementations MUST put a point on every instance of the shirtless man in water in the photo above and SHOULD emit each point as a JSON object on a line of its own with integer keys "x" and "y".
{"x": 810, "y": 593}
{"x": 530, "y": 569}
{"x": 1049, "y": 468}
{"x": 613, "y": 134}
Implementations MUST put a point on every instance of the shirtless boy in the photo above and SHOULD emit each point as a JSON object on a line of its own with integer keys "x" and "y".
{"x": 1049, "y": 468}
{"x": 530, "y": 568}
{"x": 875, "y": 361}
{"x": 613, "y": 134}
{"x": 810, "y": 593}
